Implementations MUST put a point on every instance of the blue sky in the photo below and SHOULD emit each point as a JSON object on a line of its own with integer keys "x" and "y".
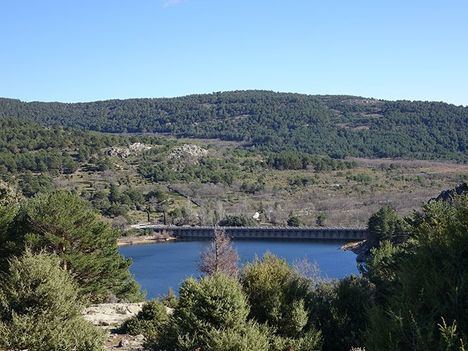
{"x": 91, "y": 50}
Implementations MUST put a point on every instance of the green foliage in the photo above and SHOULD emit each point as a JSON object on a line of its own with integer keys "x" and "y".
{"x": 26, "y": 146}
{"x": 206, "y": 308}
{"x": 8, "y": 212}
{"x": 288, "y": 160}
{"x": 170, "y": 299}
{"x": 268, "y": 284}
{"x": 326, "y": 125}
{"x": 277, "y": 298}
{"x": 449, "y": 337}
{"x": 252, "y": 187}
{"x": 208, "y": 170}
{"x": 32, "y": 184}
{"x": 294, "y": 221}
{"x": 302, "y": 181}
{"x": 117, "y": 201}
{"x": 149, "y": 321}
{"x": 40, "y": 308}
{"x": 237, "y": 221}
{"x": 379, "y": 268}
{"x": 429, "y": 283}
{"x": 62, "y": 223}
{"x": 360, "y": 178}
{"x": 298, "y": 160}
{"x": 251, "y": 337}
{"x": 339, "y": 309}
{"x": 310, "y": 341}
{"x": 385, "y": 224}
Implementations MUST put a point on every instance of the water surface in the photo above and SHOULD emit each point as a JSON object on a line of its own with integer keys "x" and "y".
{"x": 158, "y": 267}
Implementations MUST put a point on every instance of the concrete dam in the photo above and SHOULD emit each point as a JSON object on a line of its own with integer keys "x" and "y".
{"x": 255, "y": 233}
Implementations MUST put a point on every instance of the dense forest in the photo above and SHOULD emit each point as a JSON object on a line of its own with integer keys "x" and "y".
{"x": 337, "y": 126}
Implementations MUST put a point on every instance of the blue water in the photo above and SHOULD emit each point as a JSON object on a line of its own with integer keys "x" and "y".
{"x": 158, "y": 267}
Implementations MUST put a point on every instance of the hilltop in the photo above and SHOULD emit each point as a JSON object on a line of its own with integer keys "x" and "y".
{"x": 334, "y": 125}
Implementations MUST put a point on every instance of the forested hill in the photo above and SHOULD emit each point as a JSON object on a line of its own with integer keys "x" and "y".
{"x": 335, "y": 125}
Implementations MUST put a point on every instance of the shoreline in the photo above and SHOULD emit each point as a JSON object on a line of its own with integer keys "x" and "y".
{"x": 143, "y": 239}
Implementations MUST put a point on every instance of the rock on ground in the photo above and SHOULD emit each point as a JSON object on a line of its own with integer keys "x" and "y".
{"x": 188, "y": 153}
{"x": 110, "y": 316}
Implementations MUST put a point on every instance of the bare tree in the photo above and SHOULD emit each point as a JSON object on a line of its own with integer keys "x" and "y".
{"x": 220, "y": 256}
{"x": 309, "y": 271}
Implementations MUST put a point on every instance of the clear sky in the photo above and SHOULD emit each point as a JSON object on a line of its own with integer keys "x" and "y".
{"x": 82, "y": 50}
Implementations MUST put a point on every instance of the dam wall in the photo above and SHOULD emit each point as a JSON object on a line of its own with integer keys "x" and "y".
{"x": 283, "y": 233}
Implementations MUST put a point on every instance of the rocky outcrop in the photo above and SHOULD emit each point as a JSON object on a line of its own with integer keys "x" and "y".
{"x": 111, "y": 315}
{"x": 124, "y": 152}
{"x": 448, "y": 195}
{"x": 189, "y": 153}
{"x": 360, "y": 248}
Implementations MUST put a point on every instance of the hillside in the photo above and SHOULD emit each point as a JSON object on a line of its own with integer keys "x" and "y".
{"x": 196, "y": 181}
{"x": 337, "y": 126}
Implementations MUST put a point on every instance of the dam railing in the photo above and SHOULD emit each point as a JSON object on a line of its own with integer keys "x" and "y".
{"x": 284, "y": 233}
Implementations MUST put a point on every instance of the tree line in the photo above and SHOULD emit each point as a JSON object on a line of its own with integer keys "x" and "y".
{"x": 336, "y": 126}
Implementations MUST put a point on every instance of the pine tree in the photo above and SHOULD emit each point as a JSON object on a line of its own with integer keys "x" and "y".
{"x": 63, "y": 224}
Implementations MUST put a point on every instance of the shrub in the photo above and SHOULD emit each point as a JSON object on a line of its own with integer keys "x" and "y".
{"x": 294, "y": 221}
{"x": 277, "y": 296}
{"x": 268, "y": 282}
{"x": 40, "y": 308}
{"x": 206, "y": 308}
{"x": 340, "y": 311}
{"x": 170, "y": 299}
{"x": 310, "y": 341}
{"x": 237, "y": 221}
{"x": 250, "y": 338}
{"x": 385, "y": 224}
{"x": 321, "y": 219}
{"x": 149, "y": 321}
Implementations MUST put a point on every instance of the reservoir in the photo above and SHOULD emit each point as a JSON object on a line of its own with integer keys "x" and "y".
{"x": 158, "y": 267}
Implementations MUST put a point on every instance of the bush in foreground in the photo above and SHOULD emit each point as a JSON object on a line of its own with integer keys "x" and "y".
{"x": 339, "y": 309}
{"x": 40, "y": 308}
{"x": 278, "y": 295}
{"x": 211, "y": 314}
{"x": 149, "y": 321}
{"x": 426, "y": 302}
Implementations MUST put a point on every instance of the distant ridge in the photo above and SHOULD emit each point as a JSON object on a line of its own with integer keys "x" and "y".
{"x": 335, "y": 125}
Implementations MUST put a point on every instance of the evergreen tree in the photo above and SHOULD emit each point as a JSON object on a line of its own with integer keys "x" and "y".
{"x": 40, "y": 308}
{"x": 426, "y": 297}
{"x": 385, "y": 224}
{"x": 62, "y": 223}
